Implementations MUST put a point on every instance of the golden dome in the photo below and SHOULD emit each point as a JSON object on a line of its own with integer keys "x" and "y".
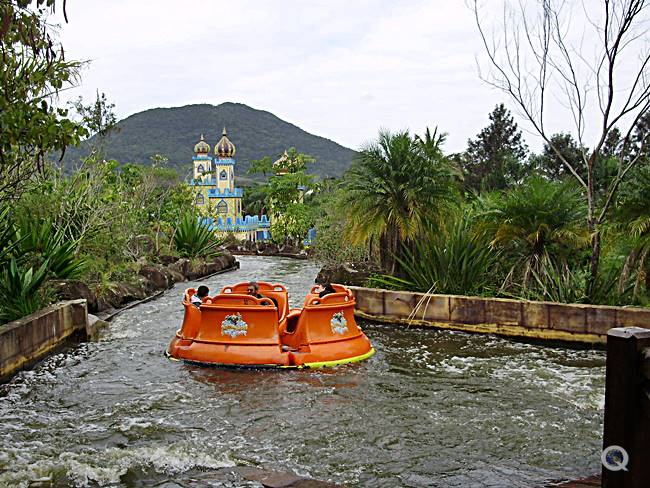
{"x": 202, "y": 147}
{"x": 224, "y": 148}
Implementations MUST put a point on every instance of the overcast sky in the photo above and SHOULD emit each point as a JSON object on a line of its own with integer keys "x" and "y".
{"x": 339, "y": 69}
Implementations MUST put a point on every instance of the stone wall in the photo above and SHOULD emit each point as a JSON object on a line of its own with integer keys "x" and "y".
{"x": 516, "y": 318}
{"x": 26, "y": 341}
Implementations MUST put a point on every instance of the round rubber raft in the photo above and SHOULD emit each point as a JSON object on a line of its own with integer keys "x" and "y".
{"x": 237, "y": 329}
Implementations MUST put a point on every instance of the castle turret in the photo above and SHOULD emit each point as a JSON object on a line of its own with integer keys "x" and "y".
{"x": 202, "y": 160}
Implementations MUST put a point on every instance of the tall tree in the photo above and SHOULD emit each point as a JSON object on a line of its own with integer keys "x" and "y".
{"x": 395, "y": 187}
{"x": 495, "y": 159}
{"x": 549, "y": 164}
{"x": 97, "y": 117}
{"x": 32, "y": 71}
{"x": 535, "y": 57}
{"x": 290, "y": 216}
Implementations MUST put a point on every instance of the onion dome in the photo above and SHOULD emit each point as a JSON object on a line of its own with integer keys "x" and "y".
{"x": 224, "y": 148}
{"x": 202, "y": 147}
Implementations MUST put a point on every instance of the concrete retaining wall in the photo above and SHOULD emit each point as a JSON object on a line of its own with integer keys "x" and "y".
{"x": 516, "y": 318}
{"x": 26, "y": 341}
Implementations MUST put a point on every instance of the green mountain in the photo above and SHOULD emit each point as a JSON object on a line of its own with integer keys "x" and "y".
{"x": 174, "y": 132}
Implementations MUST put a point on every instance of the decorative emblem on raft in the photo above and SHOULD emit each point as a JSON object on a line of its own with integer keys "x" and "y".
{"x": 233, "y": 326}
{"x": 339, "y": 324}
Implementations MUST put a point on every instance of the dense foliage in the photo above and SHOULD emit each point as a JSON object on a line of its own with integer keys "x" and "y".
{"x": 409, "y": 215}
{"x": 395, "y": 187}
{"x": 32, "y": 71}
{"x": 284, "y": 195}
{"x": 494, "y": 160}
{"x": 95, "y": 224}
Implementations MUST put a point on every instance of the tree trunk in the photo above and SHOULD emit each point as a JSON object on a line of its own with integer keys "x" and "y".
{"x": 595, "y": 261}
{"x": 591, "y": 225}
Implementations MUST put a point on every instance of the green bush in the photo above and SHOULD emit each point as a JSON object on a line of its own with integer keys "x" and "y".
{"x": 43, "y": 243}
{"x": 20, "y": 292}
{"x": 193, "y": 238}
{"x": 450, "y": 260}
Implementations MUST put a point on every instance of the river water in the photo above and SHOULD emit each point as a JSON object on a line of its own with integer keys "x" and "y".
{"x": 431, "y": 408}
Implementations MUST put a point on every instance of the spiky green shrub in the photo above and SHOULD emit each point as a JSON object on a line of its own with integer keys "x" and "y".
{"x": 20, "y": 292}
{"x": 193, "y": 238}
{"x": 555, "y": 282}
{"x": 42, "y": 242}
{"x": 451, "y": 260}
{"x": 535, "y": 224}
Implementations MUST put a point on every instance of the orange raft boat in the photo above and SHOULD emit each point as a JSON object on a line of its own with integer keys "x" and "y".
{"x": 236, "y": 329}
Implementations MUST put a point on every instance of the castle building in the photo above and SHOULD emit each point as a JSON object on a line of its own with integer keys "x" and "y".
{"x": 217, "y": 197}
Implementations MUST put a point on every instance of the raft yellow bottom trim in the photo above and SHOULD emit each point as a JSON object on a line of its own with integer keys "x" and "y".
{"x": 338, "y": 362}
{"x": 316, "y": 365}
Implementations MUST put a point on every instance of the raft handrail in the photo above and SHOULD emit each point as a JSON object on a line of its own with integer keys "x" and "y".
{"x": 256, "y": 301}
{"x": 332, "y": 298}
{"x": 264, "y": 286}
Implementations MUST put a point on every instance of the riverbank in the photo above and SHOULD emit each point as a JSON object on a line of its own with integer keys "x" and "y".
{"x": 26, "y": 341}
{"x": 106, "y": 298}
{"x": 248, "y": 248}
{"x": 548, "y": 321}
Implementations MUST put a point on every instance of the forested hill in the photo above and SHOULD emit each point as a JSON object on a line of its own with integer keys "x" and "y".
{"x": 174, "y": 131}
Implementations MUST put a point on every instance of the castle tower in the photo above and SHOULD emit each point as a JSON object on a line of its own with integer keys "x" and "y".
{"x": 228, "y": 198}
{"x": 202, "y": 160}
{"x": 215, "y": 193}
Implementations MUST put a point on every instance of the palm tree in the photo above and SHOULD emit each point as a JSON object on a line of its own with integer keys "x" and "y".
{"x": 396, "y": 186}
{"x": 537, "y": 224}
{"x": 633, "y": 229}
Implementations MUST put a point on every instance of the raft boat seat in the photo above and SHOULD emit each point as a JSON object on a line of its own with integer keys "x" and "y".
{"x": 275, "y": 291}
{"x": 218, "y": 332}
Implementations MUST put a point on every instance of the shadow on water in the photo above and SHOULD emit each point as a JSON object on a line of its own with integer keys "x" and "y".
{"x": 431, "y": 408}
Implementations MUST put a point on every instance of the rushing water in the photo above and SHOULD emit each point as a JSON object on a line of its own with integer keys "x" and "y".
{"x": 431, "y": 408}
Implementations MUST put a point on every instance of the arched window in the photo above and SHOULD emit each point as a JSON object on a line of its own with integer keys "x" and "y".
{"x": 200, "y": 200}
{"x": 222, "y": 207}
{"x": 200, "y": 168}
{"x": 223, "y": 175}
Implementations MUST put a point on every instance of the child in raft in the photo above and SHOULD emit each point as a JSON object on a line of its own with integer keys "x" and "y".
{"x": 201, "y": 293}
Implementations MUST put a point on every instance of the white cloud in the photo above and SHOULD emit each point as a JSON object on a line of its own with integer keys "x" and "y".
{"x": 335, "y": 68}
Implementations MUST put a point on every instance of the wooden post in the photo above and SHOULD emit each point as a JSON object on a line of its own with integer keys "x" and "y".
{"x": 627, "y": 406}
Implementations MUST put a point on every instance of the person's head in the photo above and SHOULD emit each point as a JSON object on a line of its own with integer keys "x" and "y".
{"x": 327, "y": 288}
{"x": 202, "y": 291}
{"x": 253, "y": 288}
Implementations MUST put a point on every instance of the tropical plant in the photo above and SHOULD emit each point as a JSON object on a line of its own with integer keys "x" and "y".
{"x": 543, "y": 70}
{"x": 284, "y": 195}
{"x": 557, "y": 282}
{"x": 193, "y": 237}
{"x": 632, "y": 213}
{"x": 40, "y": 240}
{"x": 535, "y": 223}
{"x": 393, "y": 189}
{"x": 451, "y": 258}
{"x": 19, "y": 290}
